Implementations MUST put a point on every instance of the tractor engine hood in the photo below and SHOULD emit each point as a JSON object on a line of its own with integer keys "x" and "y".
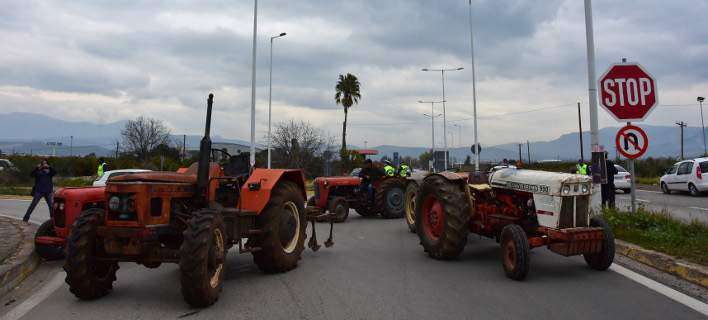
{"x": 537, "y": 182}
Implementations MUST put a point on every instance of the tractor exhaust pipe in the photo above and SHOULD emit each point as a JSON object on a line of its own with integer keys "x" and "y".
{"x": 205, "y": 152}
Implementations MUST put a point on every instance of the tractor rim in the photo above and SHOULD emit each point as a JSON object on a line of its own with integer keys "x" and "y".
{"x": 394, "y": 198}
{"x": 340, "y": 210}
{"x": 509, "y": 254}
{"x": 216, "y": 258}
{"x": 433, "y": 218}
{"x": 410, "y": 209}
{"x": 289, "y": 227}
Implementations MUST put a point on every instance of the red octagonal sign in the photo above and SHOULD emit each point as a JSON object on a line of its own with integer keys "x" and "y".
{"x": 627, "y": 92}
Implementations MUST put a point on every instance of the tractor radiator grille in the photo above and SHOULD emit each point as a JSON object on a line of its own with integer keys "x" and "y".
{"x": 577, "y": 206}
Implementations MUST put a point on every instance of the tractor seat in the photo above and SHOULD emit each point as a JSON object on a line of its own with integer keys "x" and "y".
{"x": 189, "y": 176}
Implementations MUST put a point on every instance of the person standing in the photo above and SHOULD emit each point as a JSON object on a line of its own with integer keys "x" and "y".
{"x": 43, "y": 187}
{"x": 607, "y": 190}
{"x": 581, "y": 168}
{"x": 369, "y": 174}
{"x": 101, "y": 167}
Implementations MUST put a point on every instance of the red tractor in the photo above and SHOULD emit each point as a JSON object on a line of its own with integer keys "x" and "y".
{"x": 192, "y": 219}
{"x": 337, "y": 195}
{"x": 68, "y": 204}
{"x": 521, "y": 209}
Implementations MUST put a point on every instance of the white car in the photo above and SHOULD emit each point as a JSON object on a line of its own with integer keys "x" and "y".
{"x": 622, "y": 179}
{"x": 688, "y": 175}
{"x": 101, "y": 181}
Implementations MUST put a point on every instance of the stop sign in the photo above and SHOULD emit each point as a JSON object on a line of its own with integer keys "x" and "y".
{"x": 627, "y": 92}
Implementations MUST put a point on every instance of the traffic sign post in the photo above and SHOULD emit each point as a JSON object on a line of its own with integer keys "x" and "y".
{"x": 632, "y": 142}
{"x": 628, "y": 92}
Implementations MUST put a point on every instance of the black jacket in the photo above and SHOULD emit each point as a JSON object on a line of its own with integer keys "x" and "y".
{"x": 611, "y": 172}
{"x": 43, "y": 180}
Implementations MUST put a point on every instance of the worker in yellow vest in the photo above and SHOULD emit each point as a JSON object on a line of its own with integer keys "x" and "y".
{"x": 581, "y": 168}
{"x": 389, "y": 169}
{"x": 404, "y": 170}
{"x": 101, "y": 167}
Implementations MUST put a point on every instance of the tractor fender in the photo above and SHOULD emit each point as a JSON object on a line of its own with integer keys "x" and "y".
{"x": 255, "y": 193}
{"x": 452, "y": 176}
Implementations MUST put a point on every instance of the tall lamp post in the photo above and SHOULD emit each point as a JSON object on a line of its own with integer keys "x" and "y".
{"x": 474, "y": 92}
{"x": 252, "y": 159}
{"x": 432, "y": 116}
{"x": 442, "y": 74}
{"x": 270, "y": 90}
{"x": 700, "y": 102}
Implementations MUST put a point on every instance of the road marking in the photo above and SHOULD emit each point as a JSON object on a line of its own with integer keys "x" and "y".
{"x": 13, "y": 199}
{"x": 699, "y": 208}
{"x": 20, "y": 218}
{"x": 31, "y": 302}
{"x": 662, "y": 289}
{"x": 649, "y": 191}
{"x": 642, "y": 200}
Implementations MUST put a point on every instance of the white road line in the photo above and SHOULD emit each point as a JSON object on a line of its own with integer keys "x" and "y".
{"x": 649, "y": 191}
{"x": 20, "y": 218}
{"x": 23, "y": 200}
{"x": 662, "y": 289}
{"x": 29, "y": 304}
{"x": 699, "y": 208}
{"x": 642, "y": 200}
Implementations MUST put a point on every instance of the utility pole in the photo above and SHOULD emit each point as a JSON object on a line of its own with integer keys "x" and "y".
{"x": 580, "y": 134}
{"x": 474, "y": 92}
{"x": 528, "y": 150}
{"x": 592, "y": 85}
{"x": 184, "y": 146}
{"x": 117, "y": 147}
{"x": 703, "y": 126}
{"x": 520, "y": 158}
{"x": 681, "y": 125}
{"x": 71, "y": 147}
{"x": 252, "y": 159}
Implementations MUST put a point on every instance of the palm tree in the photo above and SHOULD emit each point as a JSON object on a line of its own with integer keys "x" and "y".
{"x": 347, "y": 94}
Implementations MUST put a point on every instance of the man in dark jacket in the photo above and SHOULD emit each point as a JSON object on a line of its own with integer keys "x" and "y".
{"x": 607, "y": 190}
{"x": 43, "y": 187}
{"x": 369, "y": 174}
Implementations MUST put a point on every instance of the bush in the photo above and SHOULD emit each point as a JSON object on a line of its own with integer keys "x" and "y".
{"x": 661, "y": 232}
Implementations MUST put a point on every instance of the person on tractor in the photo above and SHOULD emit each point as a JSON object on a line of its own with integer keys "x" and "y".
{"x": 404, "y": 170}
{"x": 368, "y": 174}
{"x": 389, "y": 169}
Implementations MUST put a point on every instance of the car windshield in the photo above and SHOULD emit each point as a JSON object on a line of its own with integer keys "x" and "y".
{"x": 620, "y": 169}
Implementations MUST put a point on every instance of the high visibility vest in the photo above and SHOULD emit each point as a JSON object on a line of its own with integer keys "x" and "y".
{"x": 100, "y": 169}
{"x": 390, "y": 171}
{"x": 403, "y": 171}
{"x": 582, "y": 169}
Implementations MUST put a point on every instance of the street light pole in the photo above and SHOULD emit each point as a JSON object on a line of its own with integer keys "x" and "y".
{"x": 592, "y": 86}
{"x": 442, "y": 74}
{"x": 252, "y": 159}
{"x": 432, "y": 126}
{"x": 703, "y": 126}
{"x": 474, "y": 91}
{"x": 580, "y": 134}
{"x": 270, "y": 91}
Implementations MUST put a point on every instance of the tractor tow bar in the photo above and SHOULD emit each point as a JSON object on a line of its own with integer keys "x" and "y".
{"x": 312, "y": 243}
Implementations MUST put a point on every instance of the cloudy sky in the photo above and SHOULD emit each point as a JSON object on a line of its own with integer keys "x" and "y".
{"x": 104, "y": 61}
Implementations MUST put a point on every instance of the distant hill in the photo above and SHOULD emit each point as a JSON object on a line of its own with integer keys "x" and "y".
{"x": 29, "y": 132}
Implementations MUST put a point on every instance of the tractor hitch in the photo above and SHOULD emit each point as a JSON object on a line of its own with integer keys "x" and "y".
{"x": 317, "y": 217}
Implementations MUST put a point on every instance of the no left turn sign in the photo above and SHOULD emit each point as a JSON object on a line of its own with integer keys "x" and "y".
{"x": 632, "y": 142}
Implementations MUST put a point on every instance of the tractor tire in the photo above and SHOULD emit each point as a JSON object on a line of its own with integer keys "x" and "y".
{"x": 202, "y": 258}
{"x": 87, "y": 278}
{"x": 283, "y": 230}
{"x": 603, "y": 259}
{"x": 515, "y": 252}
{"x": 441, "y": 217}
{"x": 340, "y": 208}
{"x": 366, "y": 211}
{"x": 390, "y": 198}
{"x": 47, "y": 252}
{"x": 411, "y": 194}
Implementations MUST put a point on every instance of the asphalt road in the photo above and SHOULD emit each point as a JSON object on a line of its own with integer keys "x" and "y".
{"x": 680, "y": 205}
{"x": 376, "y": 270}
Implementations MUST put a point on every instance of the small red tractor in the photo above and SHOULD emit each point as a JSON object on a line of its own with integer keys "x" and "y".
{"x": 192, "y": 218}
{"x": 521, "y": 209}
{"x": 337, "y": 195}
{"x": 50, "y": 238}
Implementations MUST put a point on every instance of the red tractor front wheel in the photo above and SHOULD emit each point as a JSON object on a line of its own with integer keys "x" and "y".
{"x": 515, "y": 252}
{"x": 441, "y": 217}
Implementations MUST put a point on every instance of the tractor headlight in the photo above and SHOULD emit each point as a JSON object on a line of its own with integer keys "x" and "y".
{"x": 584, "y": 188}
{"x": 566, "y": 190}
{"x": 114, "y": 203}
{"x": 61, "y": 206}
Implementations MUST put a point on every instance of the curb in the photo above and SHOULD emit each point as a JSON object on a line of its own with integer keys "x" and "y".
{"x": 14, "y": 197}
{"x": 24, "y": 261}
{"x": 691, "y": 272}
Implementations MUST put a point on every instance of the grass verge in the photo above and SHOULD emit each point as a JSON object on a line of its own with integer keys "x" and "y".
{"x": 653, "y": 181}
{"x": 661, "y": 232}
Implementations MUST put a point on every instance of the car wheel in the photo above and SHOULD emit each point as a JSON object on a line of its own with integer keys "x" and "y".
{"x": 693, "y": 190}
{"x": 665, "y": 188}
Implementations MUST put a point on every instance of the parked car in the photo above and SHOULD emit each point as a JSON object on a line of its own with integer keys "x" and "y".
{"x": 101, "y": 181}
{"x": 622, "y": 179}
{"x": 688, "y": 175}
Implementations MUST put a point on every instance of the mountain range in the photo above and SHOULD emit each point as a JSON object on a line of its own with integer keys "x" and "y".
{"x": 31, "y": 133}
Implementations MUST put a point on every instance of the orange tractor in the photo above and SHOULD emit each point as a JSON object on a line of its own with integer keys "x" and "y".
{"x": 192, "y": 218}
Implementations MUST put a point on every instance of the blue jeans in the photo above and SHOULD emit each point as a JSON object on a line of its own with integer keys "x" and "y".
{"x": 37, "y": 196}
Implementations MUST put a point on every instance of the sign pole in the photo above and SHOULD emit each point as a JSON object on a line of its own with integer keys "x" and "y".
{"x": 592, "y": 86}
{"x": 632, "y": 185}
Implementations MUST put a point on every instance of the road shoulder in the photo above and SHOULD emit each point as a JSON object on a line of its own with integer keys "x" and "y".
{"x": 18, "y": 259}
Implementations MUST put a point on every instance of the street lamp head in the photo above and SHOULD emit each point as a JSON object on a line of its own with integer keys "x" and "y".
{"x": 700, "y": 99}
{"x": 460, "y": 68}
{"x": 282, "y": 34}
{"x": 425, "y": 69}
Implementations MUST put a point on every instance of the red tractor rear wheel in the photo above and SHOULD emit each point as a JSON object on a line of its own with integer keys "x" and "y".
{"x": 515, "y": 252}
{"x": 390, "y": 198}
{"x": 441, "y": 218}
{"x": 411, "y": 195}
{"x": 283, "y": 224}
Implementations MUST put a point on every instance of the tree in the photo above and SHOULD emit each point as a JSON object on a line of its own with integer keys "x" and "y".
{"x": 143, "y": 135}
{"x": 298, "y": 144}
{"x": 347, "y": 94}
{"x": 425, "y": 158}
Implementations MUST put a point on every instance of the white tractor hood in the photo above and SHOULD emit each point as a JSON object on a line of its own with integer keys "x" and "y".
{"x": 534, "y": 181}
